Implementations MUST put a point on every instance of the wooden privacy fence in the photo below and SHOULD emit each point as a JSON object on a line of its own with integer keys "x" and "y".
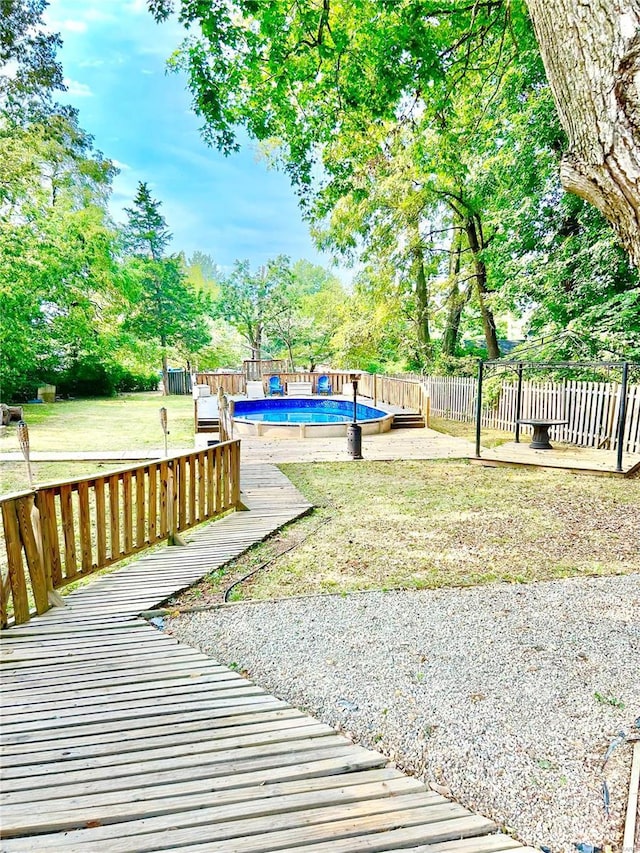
{"x": 231, "y": 383}
{"x": 591, "y": 409}
{"x": 59, "y": 533}
{"x": 178, "y": 381}
{"x": 255, "y": 369}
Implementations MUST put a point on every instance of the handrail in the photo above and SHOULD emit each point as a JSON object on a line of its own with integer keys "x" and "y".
{"x": 58, "y": 533}
{"x": 404, "y": 393}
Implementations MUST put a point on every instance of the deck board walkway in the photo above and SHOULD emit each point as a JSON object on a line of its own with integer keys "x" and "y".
{"x": 118, "y": 738}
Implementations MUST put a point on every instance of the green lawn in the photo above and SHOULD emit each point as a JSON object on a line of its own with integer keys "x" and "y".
{"x": 488, "y": 437}
{"x": 422, "y": 524}
{"x": 408, "y": 524}
{"x": 128, "y": 422}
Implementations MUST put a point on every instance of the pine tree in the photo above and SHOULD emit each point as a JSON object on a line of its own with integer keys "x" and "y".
{"x": 165, "y": 307}
{"x": 146, "y": 233}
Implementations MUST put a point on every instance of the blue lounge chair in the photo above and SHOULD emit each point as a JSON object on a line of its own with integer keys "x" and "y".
{"x": 324, "y": 385}
{"x": 275, "y": 386}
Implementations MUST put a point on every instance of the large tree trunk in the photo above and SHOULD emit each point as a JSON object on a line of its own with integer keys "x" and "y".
{"x": 256, "y": 343}
{"x": 455, "y": 300}
{"x": 165, "y": 371}
{"x": 473, "y": 231}
{"x": 422, "y": 305}
{"x": 591, "y": 52}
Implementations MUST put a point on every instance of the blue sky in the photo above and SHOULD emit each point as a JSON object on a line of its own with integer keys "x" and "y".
{"x": 231, "y": 207}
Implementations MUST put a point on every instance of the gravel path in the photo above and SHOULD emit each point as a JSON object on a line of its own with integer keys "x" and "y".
{"x": 507, "y": 695}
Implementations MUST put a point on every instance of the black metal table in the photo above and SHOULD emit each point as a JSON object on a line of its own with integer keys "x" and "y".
{"x": 540, "y": 437}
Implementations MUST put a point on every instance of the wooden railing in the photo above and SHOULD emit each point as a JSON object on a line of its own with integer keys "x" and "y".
{"x": 336, "y": 378}
{"x": 58, "y": 533}
{"x": 404, "y": 393}
{"x": 235, "y": 383}
{"x": 231, "y": 383}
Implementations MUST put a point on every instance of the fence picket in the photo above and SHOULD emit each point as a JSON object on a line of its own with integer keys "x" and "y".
{"x": 140, "y": 508}
{"x": 101, "y": 529}
{"x": 15, "y": 568}
{"x": 45, "y": 501}
{"x": 66, "y": 511}
{"x": 84, "y": 523}
{"x": 114, "y": 515}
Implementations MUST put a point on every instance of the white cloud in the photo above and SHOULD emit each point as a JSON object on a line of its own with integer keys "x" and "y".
{"x": 122, "y": 166}
{"x": 136, "y": 7}
{"x": 76, "y": 89}
{"x": 73, "y": 26}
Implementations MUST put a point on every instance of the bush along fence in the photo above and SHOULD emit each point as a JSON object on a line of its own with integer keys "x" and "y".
{"x": 61, "y": 532}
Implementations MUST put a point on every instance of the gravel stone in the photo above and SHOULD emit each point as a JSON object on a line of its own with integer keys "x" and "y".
{"x": 506, "y": 695}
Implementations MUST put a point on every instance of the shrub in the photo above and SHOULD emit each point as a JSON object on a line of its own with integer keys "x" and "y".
{"x": 90, "y": 377}
{"x": 129, "y": 380}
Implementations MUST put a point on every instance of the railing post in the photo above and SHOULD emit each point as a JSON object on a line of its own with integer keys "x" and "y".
{"x": 236, "y": 477}
{"x": 15, "y": 565}
{"x": 479, "y": 407}
{"x": 172, "y": 507}
{"x": 519, "y": 404}
{"x": 622, "y": 416}
{"x": 29, "y": 526}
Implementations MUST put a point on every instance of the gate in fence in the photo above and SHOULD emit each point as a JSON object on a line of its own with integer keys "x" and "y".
{"x": 178, "y": 381}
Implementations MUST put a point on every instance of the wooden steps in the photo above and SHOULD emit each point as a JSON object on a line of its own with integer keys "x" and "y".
{"x": 408, "y": 420}
{"x": 208, "y": 425}
{"x": 118, "y": 738}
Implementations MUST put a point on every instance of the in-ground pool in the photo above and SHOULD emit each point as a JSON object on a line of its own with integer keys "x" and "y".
{"x": 290, "y": 417}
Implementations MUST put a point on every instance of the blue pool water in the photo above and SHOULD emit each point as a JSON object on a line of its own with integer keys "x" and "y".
{"x": 288, "y": 410}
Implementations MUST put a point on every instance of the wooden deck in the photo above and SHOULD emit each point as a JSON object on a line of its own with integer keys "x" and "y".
{"x": 118, "y": 738}
{"x": 577, "y": 460}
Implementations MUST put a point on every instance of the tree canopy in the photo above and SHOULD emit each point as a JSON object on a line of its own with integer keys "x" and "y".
{"x": 423, "y": 141}
{"x": 84, "y": 304}
{"x": 426, "y": 140}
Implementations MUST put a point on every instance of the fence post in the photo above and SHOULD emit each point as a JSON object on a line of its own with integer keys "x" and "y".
{"x": 622, "y": 416}
{"x": 479, "y": 407}
{"x": 426, "y": 402}
{"x": 519, "y": 404}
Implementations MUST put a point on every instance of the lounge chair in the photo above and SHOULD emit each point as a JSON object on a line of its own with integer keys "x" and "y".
{"x": 275, "y": 386}
{"x": 324, "y": 385}
{"x": 254, "y": 390}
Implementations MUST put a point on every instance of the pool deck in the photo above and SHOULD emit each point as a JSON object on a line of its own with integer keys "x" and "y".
{"x": 389, "y": 446}
{"x": 394, "y": 445}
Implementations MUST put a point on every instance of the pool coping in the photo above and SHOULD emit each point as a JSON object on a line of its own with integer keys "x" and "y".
{"x": 285, "y": 429}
